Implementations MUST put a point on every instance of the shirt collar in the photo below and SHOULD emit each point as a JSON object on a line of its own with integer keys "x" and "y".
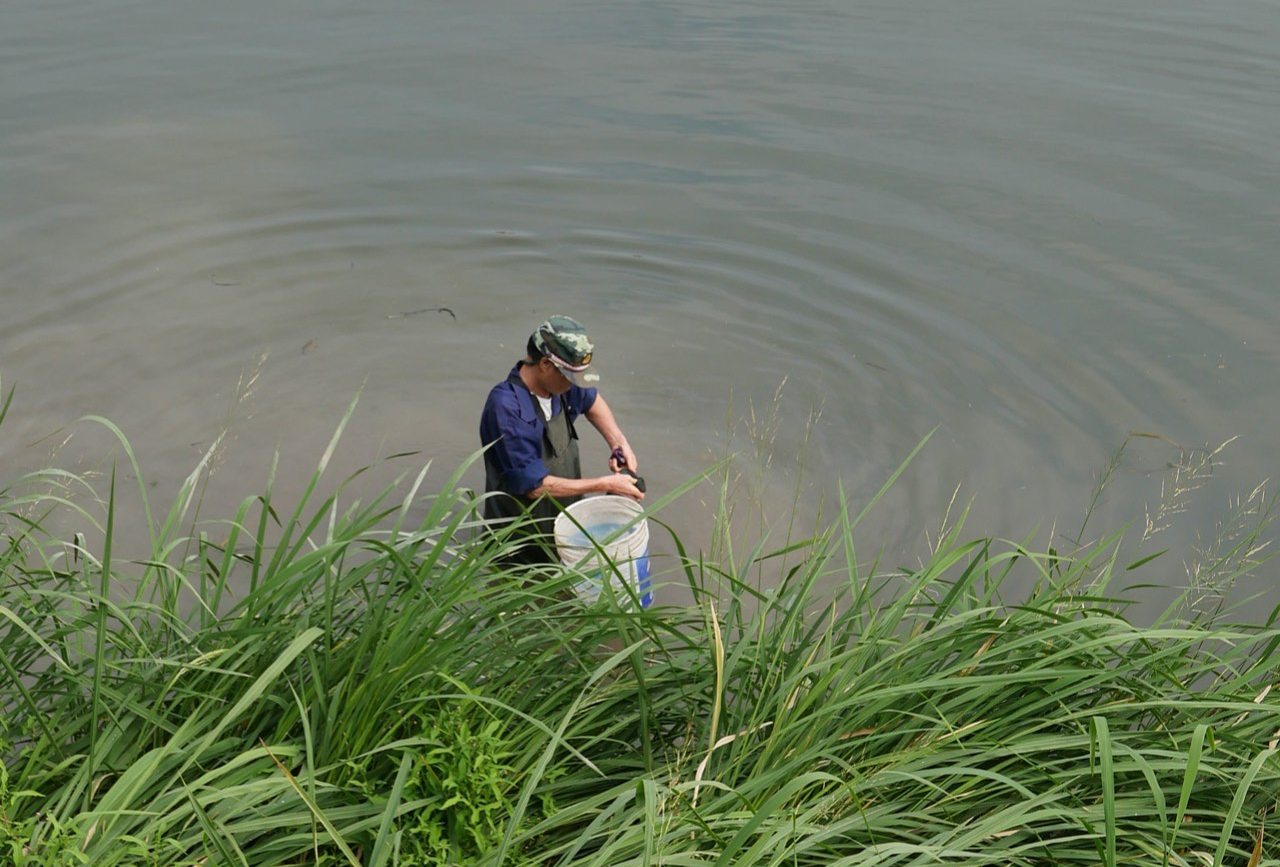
{"x": 526, "y": 398}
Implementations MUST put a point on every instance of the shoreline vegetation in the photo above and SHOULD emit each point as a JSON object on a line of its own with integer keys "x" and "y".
{"x": 326, "y": 684}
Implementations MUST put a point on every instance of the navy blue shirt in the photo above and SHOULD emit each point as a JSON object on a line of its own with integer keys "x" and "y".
{"x": 511, "y": 422}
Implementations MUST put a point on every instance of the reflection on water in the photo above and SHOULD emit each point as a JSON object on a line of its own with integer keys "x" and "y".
{"x": 1033, "y": 228}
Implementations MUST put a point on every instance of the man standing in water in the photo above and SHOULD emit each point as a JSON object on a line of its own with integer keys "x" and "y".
{"x": 532, "y": 462}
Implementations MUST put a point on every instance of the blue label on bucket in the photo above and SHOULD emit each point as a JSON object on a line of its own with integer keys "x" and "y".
{"x": 644, "y": 587}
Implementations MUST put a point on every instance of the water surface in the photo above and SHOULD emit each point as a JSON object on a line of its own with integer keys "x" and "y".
{"x": 1034, "y": 227}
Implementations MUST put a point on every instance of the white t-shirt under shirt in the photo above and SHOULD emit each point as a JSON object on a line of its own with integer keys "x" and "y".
{"x": 546, "y": 406}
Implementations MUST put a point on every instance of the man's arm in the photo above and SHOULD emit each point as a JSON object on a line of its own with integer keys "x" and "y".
{"x": 614, "y": 483}
{"x": 601, "y": 417}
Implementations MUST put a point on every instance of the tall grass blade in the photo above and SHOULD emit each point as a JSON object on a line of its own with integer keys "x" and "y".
{"x": 1189, "y": 774}
{"x": 1102, "y": 735}
{"x": 334, "y": 836}
{"x": 8, "y": 399}
{"x": 225, "y": 845}
{"x": 893, "y": 479}
{"x": 1237, "y": 803}
{"x": 99, "y": 656}
{"x": 382, "y": 845}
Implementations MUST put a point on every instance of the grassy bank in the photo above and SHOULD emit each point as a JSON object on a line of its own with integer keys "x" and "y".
{"x": 323, "y": 683}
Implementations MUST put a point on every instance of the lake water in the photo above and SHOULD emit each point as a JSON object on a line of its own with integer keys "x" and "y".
{"x": 1032, "y": 226}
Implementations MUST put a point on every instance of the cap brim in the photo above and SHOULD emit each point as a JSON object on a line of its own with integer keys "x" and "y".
{"x": 579, "y": 376}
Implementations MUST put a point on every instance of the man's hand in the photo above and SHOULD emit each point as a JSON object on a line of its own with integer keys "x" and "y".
{"x": 628, "y": 458}
{"x": 622, "y": 485}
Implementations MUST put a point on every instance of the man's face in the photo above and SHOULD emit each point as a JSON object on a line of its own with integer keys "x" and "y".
{"x": 552, "y": 379}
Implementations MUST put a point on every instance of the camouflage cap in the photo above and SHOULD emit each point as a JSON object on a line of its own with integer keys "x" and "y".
{"x": 564, "y": 341}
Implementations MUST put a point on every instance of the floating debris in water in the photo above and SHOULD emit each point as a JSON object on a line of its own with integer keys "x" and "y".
{"x": 407, "y": 313}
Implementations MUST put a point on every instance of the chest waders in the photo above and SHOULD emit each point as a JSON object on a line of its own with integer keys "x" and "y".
{"x": 560, "y": 454}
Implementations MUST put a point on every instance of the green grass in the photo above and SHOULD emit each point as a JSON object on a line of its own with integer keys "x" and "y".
{"x": 325, "y": 683}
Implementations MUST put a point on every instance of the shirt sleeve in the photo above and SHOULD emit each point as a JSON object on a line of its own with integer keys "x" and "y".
{"x": 516, "y": 449}
{"x": 579, "y": 400}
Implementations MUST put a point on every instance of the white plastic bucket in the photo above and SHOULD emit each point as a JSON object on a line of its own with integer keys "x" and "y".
{"x": 603, "y": 518}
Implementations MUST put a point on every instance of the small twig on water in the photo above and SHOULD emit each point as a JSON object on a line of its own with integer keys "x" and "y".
{"x": 408, "y": 313}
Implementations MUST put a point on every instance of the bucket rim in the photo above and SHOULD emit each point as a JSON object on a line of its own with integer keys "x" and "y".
{"x": 569, "y": 521}
{"x": 636, "y": 512}
{"x": 592, "y": 499}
